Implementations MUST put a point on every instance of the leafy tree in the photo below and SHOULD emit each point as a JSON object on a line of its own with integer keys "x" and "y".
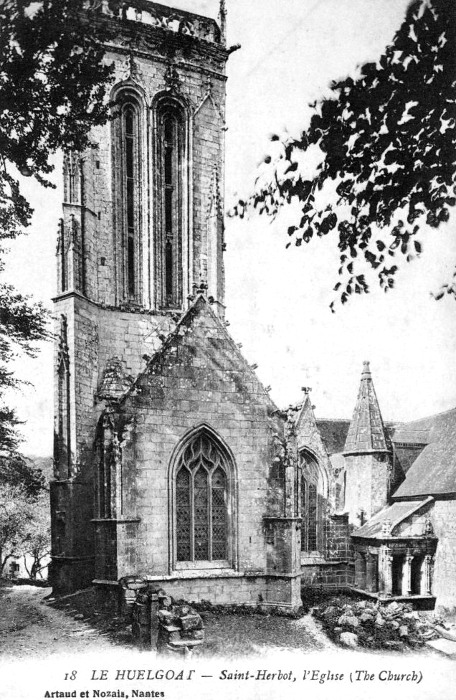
{"x": 22, "y": 324}
{"x": 385, "y": 146}
{"x": 36, "y": 545}
{"x": 52, "y": 92}
{"x": 24, "y": 513}
{"x": 17, "y": 471}
{"x": 16, "y": 518}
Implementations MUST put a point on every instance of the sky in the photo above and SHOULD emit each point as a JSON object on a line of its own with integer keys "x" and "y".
{"x": 278, "y": 299}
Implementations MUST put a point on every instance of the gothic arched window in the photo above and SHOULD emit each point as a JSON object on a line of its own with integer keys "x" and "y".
{"x": 131, "y": 189}
{"x": 127, "y": 164}
{"x": 312, "y": 505}
{"x": 170, "y": 186}
{"x": 202, "y": 502}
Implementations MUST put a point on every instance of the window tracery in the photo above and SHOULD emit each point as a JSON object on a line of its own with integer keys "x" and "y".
{"x": 312, "y": 535}
{"x": 202, "y": 497}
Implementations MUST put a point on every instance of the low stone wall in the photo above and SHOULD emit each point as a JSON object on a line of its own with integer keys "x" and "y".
{"x": 328, "y": 575}
{"x": 241, "y": 589}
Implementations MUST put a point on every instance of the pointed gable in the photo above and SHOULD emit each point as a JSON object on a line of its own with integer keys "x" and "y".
{"x": 307, "y": 431}
{"x": 200, "y": 355}
{"x": 366, "y": 432}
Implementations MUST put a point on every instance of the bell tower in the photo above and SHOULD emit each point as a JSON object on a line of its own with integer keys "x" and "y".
{"x": 142, "y": 226}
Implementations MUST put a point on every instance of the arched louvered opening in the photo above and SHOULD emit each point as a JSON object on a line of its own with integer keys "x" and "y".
{"x": 128, "y": 164}
{"x": 170, "y": 184}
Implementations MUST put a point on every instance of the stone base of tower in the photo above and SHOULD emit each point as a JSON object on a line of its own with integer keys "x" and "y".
{"x": 222, "y": 588}
{"x": 72, "y": 560}
{"x": 70, "y": 574}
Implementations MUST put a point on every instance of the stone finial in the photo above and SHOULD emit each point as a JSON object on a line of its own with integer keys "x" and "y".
{"x": 366, "y": 373}
{"x": 200, "y": 289}
{"x": 306, "y": 390}
{"x": 222, "y": 18}
{"x": 428, "y": 529}
{"x": 386, "y": 528}
{"x": 115, "y": 382}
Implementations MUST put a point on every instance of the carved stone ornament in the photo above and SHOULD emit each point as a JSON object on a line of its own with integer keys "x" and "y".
{"x": 172, "y": 79}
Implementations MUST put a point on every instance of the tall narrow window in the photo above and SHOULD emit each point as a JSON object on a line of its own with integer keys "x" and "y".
{"x": 201, "y": 493}
{"x": 63, "y": 250}
{"x": 169, "y": 253}
{"x": 131, "y": 195}
{"x": 312, "y": 505}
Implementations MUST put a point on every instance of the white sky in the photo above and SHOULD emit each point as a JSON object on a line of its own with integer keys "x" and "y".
{"x": 278, "y": 299}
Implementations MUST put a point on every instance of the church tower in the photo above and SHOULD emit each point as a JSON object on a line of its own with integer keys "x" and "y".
{"x": 165, "y": 439}
{"x": 142, "y": 228}
{"x": 368, "y": 456}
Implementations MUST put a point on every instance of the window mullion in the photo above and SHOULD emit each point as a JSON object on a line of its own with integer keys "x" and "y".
{"x": 192, "y": 516}
{"x": 209, "y": 514}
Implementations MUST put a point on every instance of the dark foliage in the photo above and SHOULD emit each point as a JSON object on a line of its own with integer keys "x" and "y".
{"x": 387, "y": 155}
{"x": 17, "y": 471}
{"x": 53, "y": 87}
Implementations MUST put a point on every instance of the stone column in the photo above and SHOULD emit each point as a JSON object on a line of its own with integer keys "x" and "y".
{"x": 407, "y": 574}
{"x": 427, "y": 571}
{"x": 371, "y": 573}
{"x": 386, "y": 570}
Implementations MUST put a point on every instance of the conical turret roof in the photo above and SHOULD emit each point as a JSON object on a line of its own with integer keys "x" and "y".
{"x": 366, "y": 432}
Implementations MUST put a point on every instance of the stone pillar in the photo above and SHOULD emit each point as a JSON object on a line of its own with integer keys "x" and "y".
{"x": 386, "y": 571}
{"x": 427, "y": 574}
{"x": 371, "y": 573}
{"x": 360, "y": 571}
{"x": 407, "y": 574}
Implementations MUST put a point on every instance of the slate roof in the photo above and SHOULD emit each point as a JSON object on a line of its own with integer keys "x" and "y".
{"x": 434, "y": 470}
{"x": 334, "y": 434}
{"x": 367, "y": 432}
{"x": 395, "y": 514}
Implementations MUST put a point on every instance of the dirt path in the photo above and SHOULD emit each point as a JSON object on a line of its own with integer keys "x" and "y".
{"x": 28, "y": 626}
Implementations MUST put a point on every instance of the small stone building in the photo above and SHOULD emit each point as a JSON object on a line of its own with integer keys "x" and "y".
{"x": 171, "y": 461}
{"x": 400, "y": 495}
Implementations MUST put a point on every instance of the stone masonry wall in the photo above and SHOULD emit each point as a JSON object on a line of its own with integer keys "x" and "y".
{"x": 444, "y": 522}
{"x": 200, "y": 379}
{"x": 203, "y": 380}
{"x": 366, "y": 486}
{"x": 198, "y": 81}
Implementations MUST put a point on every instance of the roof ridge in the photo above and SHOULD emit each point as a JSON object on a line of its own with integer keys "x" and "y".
{"x": 428, "y": 417}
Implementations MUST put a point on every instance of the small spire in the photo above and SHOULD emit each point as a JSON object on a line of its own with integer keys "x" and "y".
{"x": 366, "y": 433}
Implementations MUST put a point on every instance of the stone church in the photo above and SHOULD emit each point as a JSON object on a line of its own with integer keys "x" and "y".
{"x": 171, "y": 460}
